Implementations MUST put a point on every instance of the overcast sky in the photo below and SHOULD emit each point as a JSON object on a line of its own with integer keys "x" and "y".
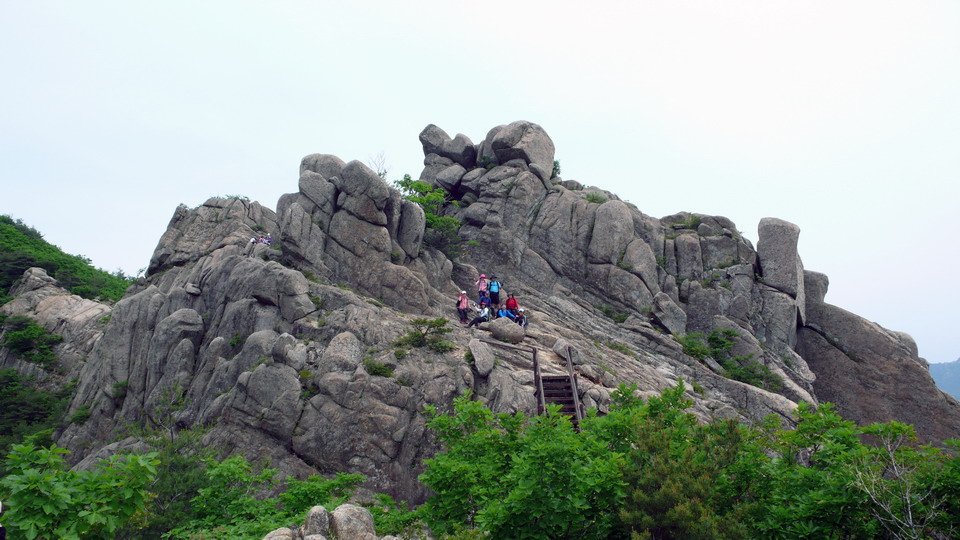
{"x": 841, "y": 117}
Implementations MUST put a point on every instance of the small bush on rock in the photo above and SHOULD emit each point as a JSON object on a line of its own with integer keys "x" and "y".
{"x": 426, "y": 333}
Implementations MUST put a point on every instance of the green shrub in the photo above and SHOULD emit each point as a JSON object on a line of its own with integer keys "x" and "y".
{"x": 237, "y": 340}
{"x": 393, "y": 518}
{"x": 80, "y": 415}
{"x": 612, "y": 313}
{"x": 29, "y": 341}
{"x": 620, "y": 347}
{"x": 747, "y": 370}
{"x": 119, "y": 390}
{"x": 317, "y": 302}
{"x": 377, "y": 369}
{"x": 556, "y": 169}
{"x": 441, "y": 345}
{"x": 426, "y": 333}
{"x": 595, "y": 198}
{"x": 694, "y": 346}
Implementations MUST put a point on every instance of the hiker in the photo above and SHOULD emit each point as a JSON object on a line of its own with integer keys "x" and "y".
{"x": 261, "y": 240}
{"x": 511, "y": 304}
{"x": 504, "y": 312}
{"x": 494, "y": 287}
{"x": 482, "y": 317}
{"x": 521, "y": 318}
{"x": 462, "y": 304}
{"x": 482, "y": 285}
{"x": 269, "y": 239}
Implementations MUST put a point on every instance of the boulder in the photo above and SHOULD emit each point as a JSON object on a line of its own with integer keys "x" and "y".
{"x": 777, "y": 252}
{"x": 612, "y": 231}
{"x": 669, "y": 314}
{"x": 282, "y": 533}
{"x": 505, "y": 329}
{"x": 354, "y": 522}
{"x": 483, "y": 357}
{"x": 526, "y": 141}
{"x": 317, "y": 522}
{"x": 459, "y": 150}
{"x": 325, "y": 165}
{"x": 874, "y": 375}
{"x": 449, "y": 178}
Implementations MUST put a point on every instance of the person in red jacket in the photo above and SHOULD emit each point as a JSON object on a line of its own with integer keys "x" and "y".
{"x": 511, "y": 304}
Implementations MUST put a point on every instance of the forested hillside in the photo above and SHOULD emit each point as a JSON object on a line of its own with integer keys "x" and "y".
{"x": 22, "y": 247}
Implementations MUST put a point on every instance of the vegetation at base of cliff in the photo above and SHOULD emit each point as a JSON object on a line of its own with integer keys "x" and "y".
{"x": 44, "y": 498}
{"x": 441, "y": 232}
{"x": 22, "y": 247}
{"x": 648, "y": 469}
{"x": 29, "y": 341}
{"x": 27, "y": 411}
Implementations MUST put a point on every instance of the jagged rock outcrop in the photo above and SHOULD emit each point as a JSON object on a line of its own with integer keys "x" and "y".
{"x": 286, "y": 351}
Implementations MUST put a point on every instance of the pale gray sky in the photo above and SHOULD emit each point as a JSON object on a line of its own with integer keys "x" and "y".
{"x": 841, "y": 117}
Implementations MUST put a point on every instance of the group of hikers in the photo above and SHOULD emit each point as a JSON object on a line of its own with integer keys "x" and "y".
{"x": 262, "y": 240}
{"x": 488, "y": 304}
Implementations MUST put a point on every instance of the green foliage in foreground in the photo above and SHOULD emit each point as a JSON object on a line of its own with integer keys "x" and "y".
{"x": 651, "y": 470}
{"x": 441, "y": 232}
{"x": 45, "y": 499}
{"x": 22, "y": 247}
{"x": 648, "y": 469}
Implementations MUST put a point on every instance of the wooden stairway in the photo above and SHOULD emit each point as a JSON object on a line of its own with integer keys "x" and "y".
{"x": 559, "y": 389}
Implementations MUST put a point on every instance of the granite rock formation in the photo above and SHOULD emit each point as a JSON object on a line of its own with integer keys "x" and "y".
{"x": 281, "y": 349}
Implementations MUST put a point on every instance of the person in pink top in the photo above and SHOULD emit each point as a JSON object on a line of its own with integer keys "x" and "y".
{"x": 462, "y": 304}
{"x": 481, "y": 285}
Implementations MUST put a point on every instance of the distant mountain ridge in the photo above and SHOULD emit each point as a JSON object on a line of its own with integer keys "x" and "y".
{"x": 947, "y": 375}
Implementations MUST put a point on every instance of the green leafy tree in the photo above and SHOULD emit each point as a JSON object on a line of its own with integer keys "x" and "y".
{"x": 672, "y": 466}
{"x": 900, "y": 480}
{"x": 507, "y": 473}
{"x": 44, "y": 499}
{"x": 801, "y": 485}
{"x": 240, "y": 502}
{"x": 441, "y": 232}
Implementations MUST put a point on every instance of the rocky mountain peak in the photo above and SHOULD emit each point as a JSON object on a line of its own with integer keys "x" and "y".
{"x": 289, "y": 350}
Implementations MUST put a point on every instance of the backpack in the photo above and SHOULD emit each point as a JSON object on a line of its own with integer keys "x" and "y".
{"x": 494, "y": 286}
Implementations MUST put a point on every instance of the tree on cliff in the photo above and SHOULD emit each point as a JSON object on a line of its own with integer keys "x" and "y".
{"x": 441, "y": 231}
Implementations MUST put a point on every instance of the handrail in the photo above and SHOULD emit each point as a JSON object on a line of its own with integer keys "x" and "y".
{"x": 574, "y": 386}
{"x": 538, "y": 381}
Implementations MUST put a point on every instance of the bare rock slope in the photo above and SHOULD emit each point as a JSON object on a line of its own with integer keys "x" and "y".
{"x": 282, "y": 350}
